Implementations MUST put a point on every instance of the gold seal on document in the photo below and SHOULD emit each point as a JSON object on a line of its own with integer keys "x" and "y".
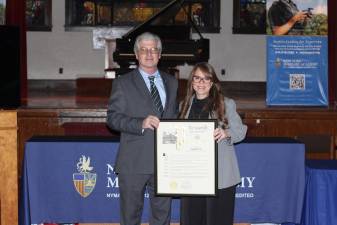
{"x": 173, "y": 185}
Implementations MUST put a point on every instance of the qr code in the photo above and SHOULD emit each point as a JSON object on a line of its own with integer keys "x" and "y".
{"x": 297, "y": 81}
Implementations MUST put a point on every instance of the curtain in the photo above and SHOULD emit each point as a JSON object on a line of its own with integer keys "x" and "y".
{"x": 332, "y": 37}
{"x": 15, "y": 15}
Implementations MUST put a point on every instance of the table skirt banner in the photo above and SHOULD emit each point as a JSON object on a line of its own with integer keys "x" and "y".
{"x": 272, "y": 181}
{"x": 320, "y": 207}
{"x": 68, "y": 180}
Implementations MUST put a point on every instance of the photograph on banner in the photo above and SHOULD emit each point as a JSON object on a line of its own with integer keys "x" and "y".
{"x": 297, "y": 17}
{"x": 2, "y": 12}
{"x": 297, "y": 70}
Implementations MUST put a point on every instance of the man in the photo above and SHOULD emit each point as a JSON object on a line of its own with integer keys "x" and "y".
{"x": 134, "y": 113}
{"x": 285, "y": 18}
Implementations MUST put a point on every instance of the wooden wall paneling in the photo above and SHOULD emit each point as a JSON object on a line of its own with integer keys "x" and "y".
{"x": 295, "y": 124}
{"x": 8, "y": 169}
{"x": 36, "y": 122}
{"x": 59, "y": 122}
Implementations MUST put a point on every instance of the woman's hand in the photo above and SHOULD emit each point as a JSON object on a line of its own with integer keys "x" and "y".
{"x": 220, "y": 134}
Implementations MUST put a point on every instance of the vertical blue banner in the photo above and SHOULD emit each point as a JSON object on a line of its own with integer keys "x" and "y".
{"x": 297, "y": 70}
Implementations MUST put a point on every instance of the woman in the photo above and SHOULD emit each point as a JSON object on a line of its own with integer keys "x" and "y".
{"x": 204, "y": 100}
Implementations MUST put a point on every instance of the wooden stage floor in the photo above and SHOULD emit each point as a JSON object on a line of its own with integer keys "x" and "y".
{"x": 93, "y": 93}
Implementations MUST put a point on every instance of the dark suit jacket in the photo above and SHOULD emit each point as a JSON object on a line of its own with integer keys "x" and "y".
{"x": 129, "y": 104}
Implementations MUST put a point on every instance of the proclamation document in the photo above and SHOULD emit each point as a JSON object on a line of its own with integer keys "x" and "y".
{"x": 186, "y": 158}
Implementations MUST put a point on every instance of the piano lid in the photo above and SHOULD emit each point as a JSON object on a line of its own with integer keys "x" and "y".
{"x": 165, "y": 17}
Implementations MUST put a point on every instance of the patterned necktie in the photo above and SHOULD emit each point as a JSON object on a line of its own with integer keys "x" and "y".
{"x": 155, "y": 95}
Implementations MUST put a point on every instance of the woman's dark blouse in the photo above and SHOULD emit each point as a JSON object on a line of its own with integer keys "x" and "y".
{"x": 198, "y": 109}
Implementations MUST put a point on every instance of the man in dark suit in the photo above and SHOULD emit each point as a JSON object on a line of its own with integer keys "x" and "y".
{"x": 134, "y": 113}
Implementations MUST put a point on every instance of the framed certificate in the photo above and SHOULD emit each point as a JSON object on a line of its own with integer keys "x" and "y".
{"x": 186, "y": 158}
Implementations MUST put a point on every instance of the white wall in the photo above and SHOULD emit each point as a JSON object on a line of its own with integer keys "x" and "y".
{"x": 242, "y": 56}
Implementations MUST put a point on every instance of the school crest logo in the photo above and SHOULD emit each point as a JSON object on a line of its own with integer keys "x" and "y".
{"x": 84, "y": 180}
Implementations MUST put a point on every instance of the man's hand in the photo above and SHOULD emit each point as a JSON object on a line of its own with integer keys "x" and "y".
{"x": 300, "y": 16}
{"x": 150, "y": 122}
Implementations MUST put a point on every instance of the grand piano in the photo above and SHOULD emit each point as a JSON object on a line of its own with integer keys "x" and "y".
{"x": 178, "y": 46}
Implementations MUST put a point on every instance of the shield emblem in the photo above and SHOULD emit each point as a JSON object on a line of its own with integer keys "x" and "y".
{"x": 84, "y": 183}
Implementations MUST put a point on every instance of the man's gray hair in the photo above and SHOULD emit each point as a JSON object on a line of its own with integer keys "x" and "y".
{"x": 149, "y": 37}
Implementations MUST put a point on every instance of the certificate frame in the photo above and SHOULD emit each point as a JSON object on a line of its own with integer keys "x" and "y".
{"x": 186, "y": 158}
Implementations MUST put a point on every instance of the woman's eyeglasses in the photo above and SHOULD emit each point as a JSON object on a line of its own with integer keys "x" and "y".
{"x": 198, "y": 79}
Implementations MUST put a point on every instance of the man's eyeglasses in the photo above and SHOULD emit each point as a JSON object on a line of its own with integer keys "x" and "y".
{"x": 146, "y": 51}
{"x": 198, "y": 79}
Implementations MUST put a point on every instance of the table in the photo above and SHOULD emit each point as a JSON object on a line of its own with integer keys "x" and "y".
{"x": 320, "y": 206}
{"x": 277, "y": 168}
{"x": 68, "y": 180}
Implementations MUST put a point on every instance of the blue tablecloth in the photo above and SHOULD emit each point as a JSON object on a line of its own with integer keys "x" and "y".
{"x": 69, "y": 180}
{"x": 320, "y": 206}
{"x": 277, "y": 168}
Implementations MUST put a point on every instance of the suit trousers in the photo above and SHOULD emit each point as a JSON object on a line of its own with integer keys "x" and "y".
{"x": 132, "y": 188}
{"x": 209, "y": 210}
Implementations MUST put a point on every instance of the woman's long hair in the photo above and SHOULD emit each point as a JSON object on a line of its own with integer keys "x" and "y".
{"x": 215, "y": 104}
